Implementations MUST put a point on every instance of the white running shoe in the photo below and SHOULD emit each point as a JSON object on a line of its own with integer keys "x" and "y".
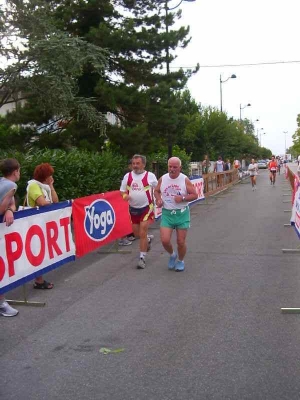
{"x": 141, "y": 263}
{"x": 124, "y": 242}
{"x": 7, "y": 311}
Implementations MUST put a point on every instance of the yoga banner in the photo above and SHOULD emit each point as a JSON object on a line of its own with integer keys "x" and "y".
{"x": 38, "y": 241}
{"x": 98, "y": 220}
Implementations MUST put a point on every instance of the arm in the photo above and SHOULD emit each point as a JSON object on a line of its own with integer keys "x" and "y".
{"x": 6, "y": 202}
{"x": 10, "y": 207}
{"x": 123, "y": 188}
{"x": 36, "y": 196}
{"x": 41, "y": 201}
{"x": 157, "y": 194}
{"x": 191, "y": 193}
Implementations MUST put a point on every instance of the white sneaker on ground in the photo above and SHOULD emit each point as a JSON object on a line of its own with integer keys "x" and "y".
{"x": 124, "y": 242}
{"x": 150, "y": 236}
{"x": 141, "y": 263}
{"x": 7, "y": 311}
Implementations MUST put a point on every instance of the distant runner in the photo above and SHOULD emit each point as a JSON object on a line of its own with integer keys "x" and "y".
{"x": 278, "y": 164}
{"x": 273, "y": 169}
{"x": 253, "y": 171}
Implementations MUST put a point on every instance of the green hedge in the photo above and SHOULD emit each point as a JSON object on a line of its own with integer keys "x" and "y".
{"x": 77, "y": 173}
{"x": 81, "y": 173}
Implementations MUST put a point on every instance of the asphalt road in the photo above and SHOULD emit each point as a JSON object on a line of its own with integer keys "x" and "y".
{"x": 214, "y": 331}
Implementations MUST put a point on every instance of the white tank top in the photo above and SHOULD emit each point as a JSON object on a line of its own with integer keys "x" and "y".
{"x": 219, "y": 166}
{"x": 172, "y": 187}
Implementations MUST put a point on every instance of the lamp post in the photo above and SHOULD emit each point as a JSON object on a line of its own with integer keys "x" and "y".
{"x": 233, "y": 76}
{"x": 170, "y": 144}
{"x": 260, "y": 136}
{"x": 257, "y": 132}
{"x": 242, "y": 108}
{"x": 285, "y": 133}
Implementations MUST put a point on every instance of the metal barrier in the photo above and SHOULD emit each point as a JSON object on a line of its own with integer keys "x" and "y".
{"x": 292, "y": 182}
{"x": 290, "y": 176}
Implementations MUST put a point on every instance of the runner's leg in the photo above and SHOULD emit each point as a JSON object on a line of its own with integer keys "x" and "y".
{"x": 165, "y": 237}
{"x": 143, "y": 236}
{"x": 181, "y": 244}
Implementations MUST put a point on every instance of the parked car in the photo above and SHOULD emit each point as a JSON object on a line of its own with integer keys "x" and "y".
{"x": 262, "y": 164}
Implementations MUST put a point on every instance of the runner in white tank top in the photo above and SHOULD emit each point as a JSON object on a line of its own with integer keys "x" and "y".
{"x": 173, "y": 192}
{"x": 253, "y": 171}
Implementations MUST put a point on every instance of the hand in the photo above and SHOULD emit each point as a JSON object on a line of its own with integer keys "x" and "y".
{"x": 8, "y": 217}
{"x": 126, "y": 197}
{"x": 50, "y": 181}
{"x": 178, "y": 199}
{"x": 159, "y": 203}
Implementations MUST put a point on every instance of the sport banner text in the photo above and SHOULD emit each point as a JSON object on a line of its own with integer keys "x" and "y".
{"x": 38, "y": 241}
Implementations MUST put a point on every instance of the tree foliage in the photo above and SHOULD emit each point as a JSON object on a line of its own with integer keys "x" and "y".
{"x": 75, "y": 61}
{"x": 295, "y": 149}
{"x": 44, "y": 63}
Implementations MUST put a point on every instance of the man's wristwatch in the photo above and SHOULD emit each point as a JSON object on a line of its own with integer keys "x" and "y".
{"x": 9, "y": 209}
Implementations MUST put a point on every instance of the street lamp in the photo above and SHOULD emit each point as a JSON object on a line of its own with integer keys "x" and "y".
{"x": 170, "y": 144}
{"x": 257, "y": 131}
{"x": 285, "y": 133}
{"x": 233, "y": 76}
{"x": 242, "y": 108}
{"x": 260, "y": 136}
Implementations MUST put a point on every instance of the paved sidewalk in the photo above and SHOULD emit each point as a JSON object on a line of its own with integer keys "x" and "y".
{"x": 214, "y": 331}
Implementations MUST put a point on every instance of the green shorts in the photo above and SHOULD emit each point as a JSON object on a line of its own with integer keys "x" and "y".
{"x": 176, "y": 219}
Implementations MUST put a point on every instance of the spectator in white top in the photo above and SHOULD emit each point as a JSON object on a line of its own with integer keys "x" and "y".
{"x": 10, "y": 169}
{"x": 219, "y": 167}
{"x": 237, "y": 164}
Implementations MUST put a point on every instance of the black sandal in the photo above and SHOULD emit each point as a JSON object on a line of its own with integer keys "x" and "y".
{"x": 44, "y": 285}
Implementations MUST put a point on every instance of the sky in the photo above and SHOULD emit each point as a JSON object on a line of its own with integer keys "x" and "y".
{"x": 236, "y": 32}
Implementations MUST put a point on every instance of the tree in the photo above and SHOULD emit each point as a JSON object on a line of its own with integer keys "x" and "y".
{"x": 295, "y": 149}
{"x": 43, "y": 63}
{"x": 139, "y": 46}
{"x": 139, "y": 39}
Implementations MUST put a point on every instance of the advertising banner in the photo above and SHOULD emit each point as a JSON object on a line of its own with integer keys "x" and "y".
{"x": 295, "y": 218}
{"x": 98, "y": 220}
{"x": 39, "y": 240}
{"x": 198, "y": 184}
{"x": 295, "y": 188}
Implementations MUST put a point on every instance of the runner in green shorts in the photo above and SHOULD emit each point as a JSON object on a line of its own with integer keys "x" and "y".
{"x": 173, "y": 192}
{"x": 176, "y": 219}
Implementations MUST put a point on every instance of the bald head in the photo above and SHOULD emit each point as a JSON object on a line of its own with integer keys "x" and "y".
{"x": 174, "y": 167}
{"x": 174, "y": 160}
